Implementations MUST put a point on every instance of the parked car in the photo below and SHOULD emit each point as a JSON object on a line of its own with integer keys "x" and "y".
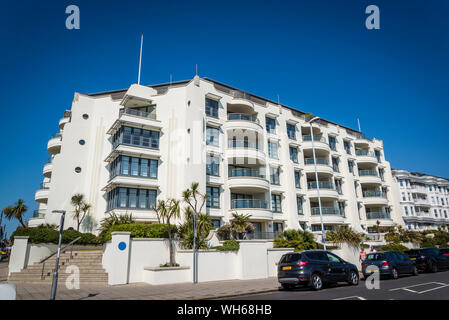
{"x": 389, "y": 263}
{"x": 445, "y": 251}
{"x": 429, "y": 259}
{"x": 3, "y": 256}
{"x": 315, "y": 268}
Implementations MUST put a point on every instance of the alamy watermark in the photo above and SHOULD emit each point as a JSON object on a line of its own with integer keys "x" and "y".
{"x": 73, "y": 20}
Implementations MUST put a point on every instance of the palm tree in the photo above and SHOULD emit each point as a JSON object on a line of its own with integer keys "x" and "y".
{"x": 241, "y": 224}
{"x": 161, "y": 211}
{"x": 16, "y": 211}
{"x": 172, "y": 211}
{"x": 196, "y": 200}
{"x": 81, "y": 208}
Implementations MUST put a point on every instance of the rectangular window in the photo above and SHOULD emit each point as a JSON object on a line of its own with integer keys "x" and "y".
{"x": 124, "y": 165}
{"x": 291, "y": 131}
{"x": 212, "y": 166}
{"x": 123, "y": 201}
{"x": 332, "y": 143}
{"x": 299, "y": 205}
{"x": 273, "y": 150}
{"x": 132, "y": 199}
{"x": 274, "y": 176}
{"x": 212, "y": 136}
{"x": 134, "y": 166}
{"x": 137, "y": 137}
{"x": 211, "y": 108}
{"x": 377, "y": 154}
{"x": 271, "y": 125}
{"x": 216, "y": 223}
{"x": 335, "y": 162}
{"x": 406, "y": 211}
{"x": 144, "y": 167}
{"x": 213, "y": 197}
{"x": 294, "y": 154}
{"x": 351, "y": 166}
{"x": 276, "y": 203}
{"x": 347, "y": 146}
{"x": 297, "y": 179}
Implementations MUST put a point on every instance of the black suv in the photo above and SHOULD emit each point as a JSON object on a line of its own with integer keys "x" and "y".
{"x": 429, "y": 259}
{"x": 315, "y": 268}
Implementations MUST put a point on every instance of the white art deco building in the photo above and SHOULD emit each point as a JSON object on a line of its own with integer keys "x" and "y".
{"x": 126, "y": 149}
{"x": 424, "y": 200}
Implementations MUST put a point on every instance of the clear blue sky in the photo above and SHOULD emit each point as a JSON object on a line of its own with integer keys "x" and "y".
{"x": 317, "y": 55}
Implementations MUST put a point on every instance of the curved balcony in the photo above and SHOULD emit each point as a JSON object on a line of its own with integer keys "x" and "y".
{"x": 327, "y": 190}
{"x": 369, "y": 176}
{"x": 330, "y": 215}
{"x": 364, "y": 156}
{"x": 42, "y": 194}
{"x": 258, "y": 209}
{"x": 240, "y": 121}
{"x": 48, "y": 168}
{"x": 248, "y": 179}
{"x": 240, "y": 101}
{"x": 63, "y": 122}
{"x": 244, "y": 150}
{"x": 319, "y": 143}
{"x": 378, "y": 215}
{"x": 361, "y": 139}
{"x": 322, "y": 166}
{"x": 54, "y": 144}
{"x": 375, "y": 198}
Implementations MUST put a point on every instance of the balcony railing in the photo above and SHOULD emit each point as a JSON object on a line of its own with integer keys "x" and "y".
{"x": 263, "y": 235}
{"x": 324, "y": 161}
{"x": 325, "y": 210}
{"x": 49, "y": 160}
{"x": 38, "y": 214}
{"x": 377, "y": 215}
{"x": 56, "y": 135}
{"x": 372, "y": 173}
{"x": 247, "y": 172}
{"x": 365, "y": 153}
{"x": 321, "y": 185}
{"x": 242, "y": 116}
{"x": 371, "y": 194}
{"x": 249, "y": 204}
{"x": 137, "y": 113}
{"x": 242, "y": 144}
{"x": 315, "y": 138}
{"x": 44, "y": 186}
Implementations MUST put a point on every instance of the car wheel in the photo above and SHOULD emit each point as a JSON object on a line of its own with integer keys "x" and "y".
{"x": 287, "y": 286}
{"x": 317, "y": 282}
{"x": 415, "y": 271}
{"x": 394, "y": 273}
{"x": 353, "y": 278}
{"x": 433, "y": 267}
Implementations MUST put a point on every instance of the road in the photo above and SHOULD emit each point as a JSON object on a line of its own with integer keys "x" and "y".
{"x": 425, "y": 286}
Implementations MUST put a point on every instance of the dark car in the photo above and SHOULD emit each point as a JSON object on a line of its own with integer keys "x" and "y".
{"x": 389, "y": 263}
{"x": 3, "y": 255}
{"x": 445, "y": 251}
{"x": 315, "y": 268}
{"x": 429, "y": 259}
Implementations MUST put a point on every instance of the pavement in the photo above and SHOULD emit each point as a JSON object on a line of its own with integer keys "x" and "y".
{"x": 425, "y": 286}
{"x": 3, "y": 271}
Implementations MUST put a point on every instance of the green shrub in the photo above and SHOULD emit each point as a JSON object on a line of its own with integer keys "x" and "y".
{"x": 394, "y": 247}
{"x": 428, "y": 243}
{"x": 141, "y": 230}
{"x": 47, "y": 234}
{"x": 229, "y": 245}
{"x": 297, "y": 239}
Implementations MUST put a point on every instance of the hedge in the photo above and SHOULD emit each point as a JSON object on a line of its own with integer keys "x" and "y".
{"x": 141, "y": 230}
{"x": 44, "y": 234}
{"x": 229, "y": 245}
{"x": 394, "y": 247}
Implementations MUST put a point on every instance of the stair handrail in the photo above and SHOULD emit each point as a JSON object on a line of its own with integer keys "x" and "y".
{"x": 62, "y": 250}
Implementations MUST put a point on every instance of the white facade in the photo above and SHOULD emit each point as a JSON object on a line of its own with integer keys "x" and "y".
{"x": 251, "y": 167}
{"x": 424, "y": 200}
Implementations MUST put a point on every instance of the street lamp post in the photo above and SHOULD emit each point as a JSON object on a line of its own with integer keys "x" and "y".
{"x": 54, "y": 284}
{"x": 323, "y": 234}
{"x": 195, "y": 251}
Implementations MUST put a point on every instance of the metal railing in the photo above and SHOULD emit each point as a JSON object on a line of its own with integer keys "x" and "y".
{"x": 242, "y": 116}
{"x": 138, "y": 113}
{"x": 324, "y": 161}
{"x": 326, "y": 210}
{"x": 321, "y": 184}
{"x": 249, "y": 204}
{"x": 370, "y": 194}
{"x": 315, "y": 138}
{"x": 49, "y": 160}
{"x": 377, "y": 215}
{"x": 365, "y": 153}
{"x": 372, "y": 173}
{"x": 242, "y": 144}
{"x": 56, "y": 135}
{"x": 246, "y": 172}
{"x": 44, "y": 186}
{"x": 37, "y": 214}
{"x": 263, "y": 235}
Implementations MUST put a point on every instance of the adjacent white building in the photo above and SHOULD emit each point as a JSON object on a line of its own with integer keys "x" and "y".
{"x": 424, "y": 199}
{"x": 126, "y": 149}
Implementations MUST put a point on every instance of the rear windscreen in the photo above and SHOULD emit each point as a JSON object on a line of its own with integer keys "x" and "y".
{"x": 412, "y": 253}
{"x": 290, "y": 258}
{"x": 375, "y": 257}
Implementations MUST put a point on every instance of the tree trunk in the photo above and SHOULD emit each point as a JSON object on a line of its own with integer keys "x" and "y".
{"x": 170, "y": 244}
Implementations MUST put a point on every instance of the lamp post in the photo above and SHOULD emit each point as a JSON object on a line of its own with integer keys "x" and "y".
{"x": 195, "y": 251}
{"x": 323, "y": 234}
{"x": 54, "y": 283}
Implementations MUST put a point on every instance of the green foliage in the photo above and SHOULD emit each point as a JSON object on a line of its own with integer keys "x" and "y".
{"x": 239, "y": 227}
{"x": 204, "y": 225}
{"x": 224, "y": 232}
{"x": 298, "y": 239}
{"x": 428, "y": 243}
{"x": 394, "y": 247}
{"x": 48, "y": 234}
{"x": 112, "y": 220}
{"x": 398, "y": 234}
{"x": 141, "y": 230}
{"x": 345, "y": 235}
{"x": 229, "y": 245}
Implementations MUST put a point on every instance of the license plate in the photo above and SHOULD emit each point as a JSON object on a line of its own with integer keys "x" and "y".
{"x": 412, "y": 258}
{"x": 286, "y": 268}
{"x": 372, "y": 271}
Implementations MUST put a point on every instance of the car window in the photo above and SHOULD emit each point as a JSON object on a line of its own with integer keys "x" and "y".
{"x": 317, "y": 255}
{"x": 375, "y": 257}
{"x": 445, "y": 250}
{"x": 289, "y": 258}
{"x": 430, "y": 251}
{"x": 401, "y": 257}
{"x": 332, "y": 258}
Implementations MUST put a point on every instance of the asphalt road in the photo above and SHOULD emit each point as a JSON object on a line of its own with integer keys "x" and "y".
{"x": 425, "y": 286}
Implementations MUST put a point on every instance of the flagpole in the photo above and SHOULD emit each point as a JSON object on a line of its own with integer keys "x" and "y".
{"x": 140, "y": 59}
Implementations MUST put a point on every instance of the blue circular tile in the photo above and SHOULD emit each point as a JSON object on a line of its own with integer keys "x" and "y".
{"x": 122, "y": 246}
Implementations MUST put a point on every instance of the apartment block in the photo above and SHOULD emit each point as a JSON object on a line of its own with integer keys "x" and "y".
{"x": 424, "y": 200}
{"x": 127, "y": 149}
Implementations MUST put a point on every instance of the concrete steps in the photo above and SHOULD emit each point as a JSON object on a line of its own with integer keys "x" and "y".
{"x": 89, "y": 263}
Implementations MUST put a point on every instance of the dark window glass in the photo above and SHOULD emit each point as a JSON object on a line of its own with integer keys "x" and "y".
{"x": 211, "y": 108}
{"x": 213, "y": 197}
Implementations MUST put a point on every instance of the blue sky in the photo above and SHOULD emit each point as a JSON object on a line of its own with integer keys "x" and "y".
{"x": 317, "y": 55}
